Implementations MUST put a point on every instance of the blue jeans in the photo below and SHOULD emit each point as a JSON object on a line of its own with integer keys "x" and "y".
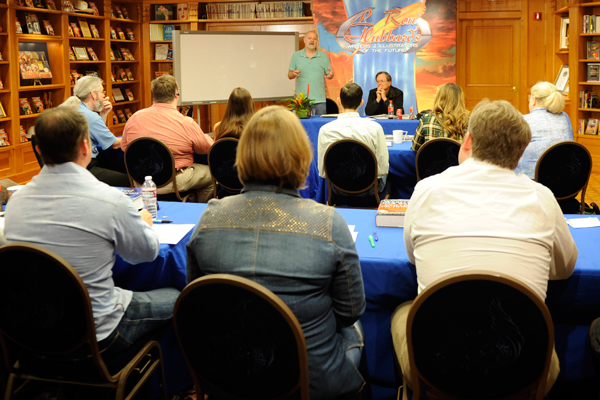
{"x": 147, "y": 312}
{"x": 354, "y": 341}
{"x": 320, "y": 108}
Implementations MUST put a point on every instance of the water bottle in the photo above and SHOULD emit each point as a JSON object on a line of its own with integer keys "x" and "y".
{"x": 391, "y": 110}
{"x": 149, "y": 196}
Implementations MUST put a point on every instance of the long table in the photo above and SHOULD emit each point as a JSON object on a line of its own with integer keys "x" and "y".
{"x": 390, "y": 279}
{"x": 403, "y": 176}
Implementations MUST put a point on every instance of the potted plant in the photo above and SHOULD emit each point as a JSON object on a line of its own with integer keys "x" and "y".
{"x": 301, "y": 104}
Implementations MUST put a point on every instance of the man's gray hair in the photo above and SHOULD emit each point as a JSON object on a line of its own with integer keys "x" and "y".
{"x": 388, "y": 77}
{"x": 85, "y": 86}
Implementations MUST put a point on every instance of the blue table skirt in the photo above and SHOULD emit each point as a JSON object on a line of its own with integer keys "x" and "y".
{"x": 390, "y": 279}
{"x": 403, "y": 176}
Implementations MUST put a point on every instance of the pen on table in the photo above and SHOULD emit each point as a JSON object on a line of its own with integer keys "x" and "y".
{"x": 372, "y": 241}
{"x": 375, "y": 235}
{"x": 161, "y": 221}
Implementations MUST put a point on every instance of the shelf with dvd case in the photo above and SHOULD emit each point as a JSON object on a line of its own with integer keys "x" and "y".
{"x": 125, "y": 55}
{"x": 7, "y": 139}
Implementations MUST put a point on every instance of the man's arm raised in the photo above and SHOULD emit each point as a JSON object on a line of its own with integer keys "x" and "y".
{"x": 292, "y": 74}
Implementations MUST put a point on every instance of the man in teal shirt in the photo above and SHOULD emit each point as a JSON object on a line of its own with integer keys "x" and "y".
{"x": 311, "y": 66}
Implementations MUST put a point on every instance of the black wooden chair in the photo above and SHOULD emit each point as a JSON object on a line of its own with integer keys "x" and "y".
{"x": 221, "y": 162}
{"x": 479, "y": 336}
{"x": 149, "y": 156}
{"x": 351, "y": 173}
{"x": 47, "y": 329}
{"x": 240, "y": 340}
{"x": 331, "y": 107}
{"x": 565, "y": 169}
{"x": 435, "y": 156}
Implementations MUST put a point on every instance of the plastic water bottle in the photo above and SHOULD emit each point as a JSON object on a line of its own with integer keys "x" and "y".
{"x": 391, "y": 110}
{"x": 149, "y": 196}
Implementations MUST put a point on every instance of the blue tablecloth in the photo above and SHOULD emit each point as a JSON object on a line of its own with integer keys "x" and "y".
{"x": 402, "y": 163}
{"x": 390, "y": 279}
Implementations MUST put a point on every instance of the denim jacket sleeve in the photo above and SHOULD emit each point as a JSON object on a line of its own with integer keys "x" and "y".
{"x": 347, "y": 291}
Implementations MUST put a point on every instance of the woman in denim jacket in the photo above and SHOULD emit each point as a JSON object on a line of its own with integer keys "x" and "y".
{"x": 299, "y": 249}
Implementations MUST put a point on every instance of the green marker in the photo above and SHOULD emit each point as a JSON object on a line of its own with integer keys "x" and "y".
{"x": 372, "y": 241}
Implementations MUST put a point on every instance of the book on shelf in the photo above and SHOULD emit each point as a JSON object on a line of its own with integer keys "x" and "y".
{"x": 130, "y": 34}
{"x": 71, "y": 55}
{"x": 115, "y": 120}
{"x": 182, "y": 11}
{"x": 592, "y": 127}
{"x": 161, "y": 50}
{"x": 4, "y": 138}
{"x": 51, "y": 5}
{"x": 80, "y": 53}
{"x": 593, "y": 50}
{"x": 170, "y": 54}
{"x": 588, "y": 99}
{"x": 39, "y": 4}
{"x": 76, "y": 30}
{"x": 74, "y": 76}
{"x": 591, "y": 24}
{"x": 232, "y": 11}
{"x": 122, "y": 117}
{"x": 156, "y": 32}
{"x": 113, "y": 33}
{"x": 391, "y": 213}
{"x": 1, "y": 59}
{"x": 1, "y": 84}
{"x": 125, "y": 12}
{"x": 129, "y": 75}
{"x": 23, "y": 134}
{"x": 129, "y": 94}
{"x": 25, "y": 106}
{"x": 2, "y": 112}
{"x": 160, "y": 73}
{"x": 118, "y": 95}
{"x": 168, "y": 31}
{"x": 120, "y": 33}
{"x": 32, "y": 23}
{"x": 37, "y": 103}
{"x": 128, "y": 113}
{"x": 28, "y": 3}
{"x": 121, "y": 74}
{"x": 134, "y": 193}
{"x": 94, "y": 30}
{"x": 70, "y": 30}
{"x": 85, "y": 28}
{"x": 593, "y": 72}
{"x": 119, "y": 13}
{"x": 127, "y": 54}
{"x": 18, "y": 27}
{"x": 48, "y": 27}
{"x": 92, "y": 54}
{"x": 112, "y": 55}
{"x": 163, "y": 12}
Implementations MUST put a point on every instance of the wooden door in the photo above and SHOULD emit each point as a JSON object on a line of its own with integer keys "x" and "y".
{"x": 490, "y": 60}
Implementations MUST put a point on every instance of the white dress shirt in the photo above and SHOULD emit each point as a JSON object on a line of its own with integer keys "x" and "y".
{"x": 351, "y": 126}
{"x": 478, "y": 216}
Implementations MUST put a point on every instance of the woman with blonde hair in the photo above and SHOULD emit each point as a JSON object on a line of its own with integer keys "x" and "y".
{"x": 299, "y": 249}
{"x": 240, "y": 108}
{"x": 449, "y": 117}
{"x": 548, "y": 122}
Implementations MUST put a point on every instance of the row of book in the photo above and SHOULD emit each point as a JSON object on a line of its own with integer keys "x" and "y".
{"x": 119, "y": 34}
{"x": 81, "y": 53}
{"x": 161, "y": 32}
{"x": 83, "y": 30}
{"x": 119, "y": 97}
{"x": 121, "y": 116}
{"x": 32, "y": 26}
{"x": 162, "y": 51}
{"x": 588, "y": 126}
{"x": 4, "y": 137}
{"x": 588, "y": 99}
{"x": 26, "y": 108}
{"x": 593, "y": 50}
{"x": 279, "y": 9}
{"x": 591, "y": 24}
{"x": 121, "y": 54}
{"x": 118, "y": 12}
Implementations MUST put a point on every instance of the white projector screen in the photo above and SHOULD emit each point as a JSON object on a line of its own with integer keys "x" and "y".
{"x": 208, "y": 65}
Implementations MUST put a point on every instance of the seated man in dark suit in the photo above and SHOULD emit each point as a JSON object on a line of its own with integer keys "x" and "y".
{"x": 380, "y": 97}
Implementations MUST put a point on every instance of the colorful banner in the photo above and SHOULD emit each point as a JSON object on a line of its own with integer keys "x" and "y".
{"x": 414, "y": 41}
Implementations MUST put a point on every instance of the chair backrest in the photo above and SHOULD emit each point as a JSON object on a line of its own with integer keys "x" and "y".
{"x": 149, "y": 156}
{"x": 45, "y": 308}
{"x": 240, "y": 340}
{"x": 33, "y": 141}
{"x": 435, "y": 156}
{"x": 565, "y": 169}
{"x": 221, "y": 162}
{"x": 331, "y": 107}
{"x": 350, "y": 167}
{"x": 479, "y": 336}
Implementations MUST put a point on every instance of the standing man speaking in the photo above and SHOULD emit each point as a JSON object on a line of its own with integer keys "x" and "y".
{"x": 310, "y": 66}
